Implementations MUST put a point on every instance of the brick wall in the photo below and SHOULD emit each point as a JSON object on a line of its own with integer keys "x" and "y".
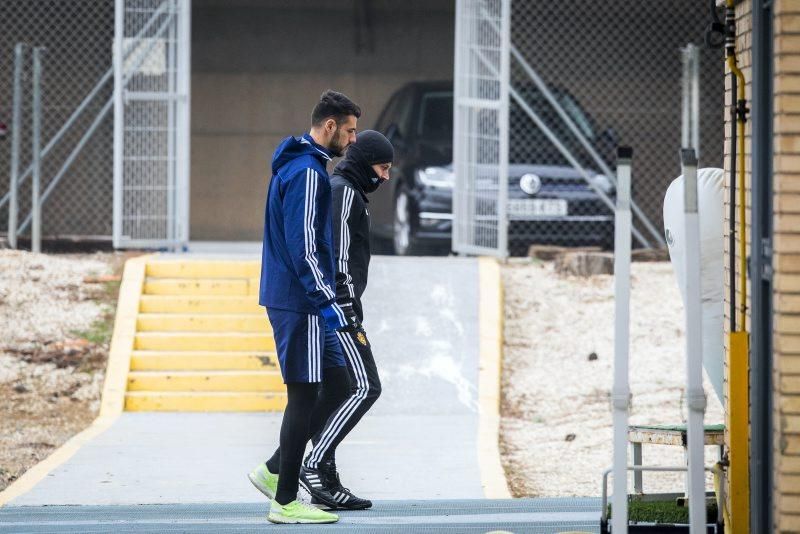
{"x": 743, "y": 43}
{"x": 786, "y": 262}
{"x": 786, "y": 205}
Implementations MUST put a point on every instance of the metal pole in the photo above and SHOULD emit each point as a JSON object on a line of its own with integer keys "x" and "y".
{"x": 16, "y": 127}
{"x": 172, "y": 74}
{"x": 621, "y": 394}
{"x": 36, "y": 148}
{"x": 458, "y": 125}
{"x": 762, "y": 463}
{"x": 183, "y": 121}
{"x": 685, "y": 101}
{"x": 502, "y": 123}
{"x": 695, "y": 396}
{"x": 119, "y": 110}
{"x": 690, "y": 123}
{"x": 695, "y": 72}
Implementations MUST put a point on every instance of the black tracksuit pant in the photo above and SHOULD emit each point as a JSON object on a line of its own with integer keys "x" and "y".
{"x": 365, "y": 390}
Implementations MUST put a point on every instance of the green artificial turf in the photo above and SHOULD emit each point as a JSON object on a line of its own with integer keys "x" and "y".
{"x": 664, "y": 512}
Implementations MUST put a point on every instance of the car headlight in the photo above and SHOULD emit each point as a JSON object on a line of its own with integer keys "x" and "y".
{"x": 436, "y": 177}
{"x": 602, "y": 182}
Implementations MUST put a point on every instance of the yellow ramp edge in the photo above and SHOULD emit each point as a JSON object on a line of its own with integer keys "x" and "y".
{"x": 228, "y": 381}
{"x": 219, "y": 341}
{"x": 203, "y": 269}
{"x": 113, "y": 397}
{"x": 490, "y": 324}
{"x": 173, "y": 322}
{"x": 199, "y": 304}
{"x": 204, "y": 402}
{"x": 202, "y": 360}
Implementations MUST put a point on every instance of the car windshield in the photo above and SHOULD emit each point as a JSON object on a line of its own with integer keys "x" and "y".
{"x": 528, "y": 143}
{"x": 436, "y": 117}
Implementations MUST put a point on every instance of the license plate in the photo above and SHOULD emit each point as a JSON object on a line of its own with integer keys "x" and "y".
{"x": 537, "y": 207}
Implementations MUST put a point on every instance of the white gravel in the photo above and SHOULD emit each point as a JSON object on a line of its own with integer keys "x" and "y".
{"x": 43, "y": 298}
{"x": 50, "y": 379}
{"x": 556, "y": 431}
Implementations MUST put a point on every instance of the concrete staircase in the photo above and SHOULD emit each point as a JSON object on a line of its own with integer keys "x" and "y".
{"x": 202, "y": 341}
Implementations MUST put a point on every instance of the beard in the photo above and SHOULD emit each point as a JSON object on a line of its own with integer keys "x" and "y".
{"x": 336, "y": 148}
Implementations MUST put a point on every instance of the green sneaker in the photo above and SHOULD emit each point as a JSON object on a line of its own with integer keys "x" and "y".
{"x": 299, "y": 512}
{"x": 264, "y": 481}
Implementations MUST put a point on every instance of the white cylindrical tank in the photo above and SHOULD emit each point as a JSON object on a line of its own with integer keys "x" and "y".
{"x": 710, "y": 201}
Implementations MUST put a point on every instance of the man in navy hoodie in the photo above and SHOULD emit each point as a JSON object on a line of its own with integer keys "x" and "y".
{"x": 298, "y": 288}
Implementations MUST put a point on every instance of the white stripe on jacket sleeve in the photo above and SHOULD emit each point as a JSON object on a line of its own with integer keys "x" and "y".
{"x": 310, "y": 233}
{"x": 344, "y": 241}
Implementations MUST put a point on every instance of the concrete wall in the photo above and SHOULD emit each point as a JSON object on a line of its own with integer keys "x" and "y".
{"x": 258, "y": 68}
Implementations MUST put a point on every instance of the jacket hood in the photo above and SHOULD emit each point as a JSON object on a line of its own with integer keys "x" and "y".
{"x": 295, "y": 147}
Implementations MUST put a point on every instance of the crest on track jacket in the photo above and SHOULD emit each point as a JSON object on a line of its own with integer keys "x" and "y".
{"x": 297, "y": 258}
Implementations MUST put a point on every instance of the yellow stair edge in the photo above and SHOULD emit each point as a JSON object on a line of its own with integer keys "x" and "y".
{"x": 224, "y": 380}
{"x": 228, "y": 322}
{"x": 210, "y": 341}
{"x": 203, "y": 269}
{"x": 154, "y": 360}
{"x": 199, "y": 304}
{"x": 204, "y": 402}
{"x": 189, "y": 286}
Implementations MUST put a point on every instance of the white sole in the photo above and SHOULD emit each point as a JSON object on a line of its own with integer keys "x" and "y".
{"x": 279, "y": 519}
{"x": 255, "y": 483}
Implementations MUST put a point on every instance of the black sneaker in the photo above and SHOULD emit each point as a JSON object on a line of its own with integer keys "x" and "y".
{"x": 344, "y": 498}
{"x": 313, "y": 481}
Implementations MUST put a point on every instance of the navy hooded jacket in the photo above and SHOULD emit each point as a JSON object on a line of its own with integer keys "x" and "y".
{"x": 297, "y": 259}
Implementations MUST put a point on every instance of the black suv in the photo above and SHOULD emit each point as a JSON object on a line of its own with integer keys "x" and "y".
{"x": 549, "y": 201}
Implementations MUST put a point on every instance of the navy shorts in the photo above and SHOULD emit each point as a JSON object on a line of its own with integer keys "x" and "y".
{"x": 305, "y": 348}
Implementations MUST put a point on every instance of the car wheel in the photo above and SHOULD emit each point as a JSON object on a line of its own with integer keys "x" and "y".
{"x": 403, "y": 235}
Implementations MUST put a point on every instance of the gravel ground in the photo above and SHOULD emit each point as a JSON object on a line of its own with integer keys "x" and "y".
{"x": 556, "y": 431}
{"x": 56, "y": 316}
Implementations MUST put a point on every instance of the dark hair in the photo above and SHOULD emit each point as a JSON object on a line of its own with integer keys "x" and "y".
{"x": 334, "y": 105}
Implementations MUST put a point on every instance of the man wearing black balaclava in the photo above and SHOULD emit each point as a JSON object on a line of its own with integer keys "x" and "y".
{"x": 365, "y": 166}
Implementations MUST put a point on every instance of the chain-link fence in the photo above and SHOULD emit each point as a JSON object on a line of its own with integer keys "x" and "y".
{"x": 77, "y": 37}
{"x": 615, "y": 69}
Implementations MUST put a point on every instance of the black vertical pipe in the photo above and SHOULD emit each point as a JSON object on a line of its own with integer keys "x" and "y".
{"x": 730, "y": 52}
{"x": 732, "y": 206}
{"x": 761, "y": 386}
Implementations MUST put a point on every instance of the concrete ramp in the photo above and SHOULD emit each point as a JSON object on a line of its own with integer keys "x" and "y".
{"x": 420, "y": 441}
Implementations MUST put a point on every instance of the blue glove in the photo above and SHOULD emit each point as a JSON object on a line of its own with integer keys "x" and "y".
{"x": 334, "y": 317}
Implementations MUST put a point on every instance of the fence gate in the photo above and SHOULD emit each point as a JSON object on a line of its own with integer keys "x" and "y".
{"x": 480, "y": 138}
{"x": 151, "y": 123}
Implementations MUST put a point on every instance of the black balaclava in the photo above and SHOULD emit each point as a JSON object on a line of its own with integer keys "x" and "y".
{"x": 370, "y": 148}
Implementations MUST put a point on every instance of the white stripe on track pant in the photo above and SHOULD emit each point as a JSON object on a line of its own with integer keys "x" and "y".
{"x": 366, "y": 390}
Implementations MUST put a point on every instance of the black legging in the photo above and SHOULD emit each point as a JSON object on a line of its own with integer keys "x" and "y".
{"x": 307, "y": 409}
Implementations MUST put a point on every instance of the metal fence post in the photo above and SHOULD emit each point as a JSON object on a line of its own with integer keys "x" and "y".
{"x": 695, "y": 396}
{"x": 16, "y": 131}
{"x": 690, "y": 123}
{"x": 621, "y": 394}
{"x": 36, "y": 147}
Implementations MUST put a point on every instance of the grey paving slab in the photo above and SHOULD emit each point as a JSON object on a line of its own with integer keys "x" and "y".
{"x": 539, "y": 516}
{"x": 418, "y": 442}
{"x": 421, "y": 315}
